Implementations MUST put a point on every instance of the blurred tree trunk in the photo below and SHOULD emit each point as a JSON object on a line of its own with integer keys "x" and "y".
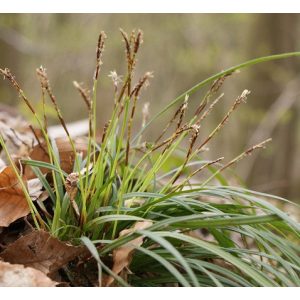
{"x": 275, "y": 33}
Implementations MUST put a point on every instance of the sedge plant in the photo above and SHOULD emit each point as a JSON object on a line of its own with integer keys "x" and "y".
{"x": 202, "y": 231}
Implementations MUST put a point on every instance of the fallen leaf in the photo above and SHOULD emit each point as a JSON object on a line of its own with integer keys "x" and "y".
{"x": 19, "y": 276}
{"x": 13, "y": 203}
{"x": 35, "y": 189}
{"x": 41, "y": 251}
{"x": 122, "y": 256}
{"x": 16, "y": 132}
{"x": 66, "y": 155}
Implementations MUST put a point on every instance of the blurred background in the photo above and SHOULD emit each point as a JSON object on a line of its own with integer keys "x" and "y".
{"x": 181, "y": 50}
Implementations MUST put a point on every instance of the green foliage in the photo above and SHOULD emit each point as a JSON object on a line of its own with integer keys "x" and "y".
{"x": 202, "y": 234}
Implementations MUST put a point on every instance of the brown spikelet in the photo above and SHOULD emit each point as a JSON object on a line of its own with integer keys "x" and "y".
{"x": 213, "y": 90}
{"x": 242, "y": 98}
{"x": 85, "y": 94}
{"x": 246, "y": 153}
{"x": 132, "y": 45}
{"x": 106, "y": 125}
{"x": 127, "y": 45}
{"x": 172, "y": 138}
{"x": 8, "y": 75}
{"x": 129, "y": 59}
{"x": 207, "y": 165}
{"x": 136, "y": 45}
{"x": 99, "y": 52}
{"x": 135, "y": 92}
{"x": 138, "y": 41}
{"x": 195, "y": 134}
{"x": 177, "y": 112}
{"x": 44, "y": 108}
{"x": 182, "y": 111}
{"x": 219, "y": 82}
{"x": 143, "y": 81}
{"x": 132, "y": 38}
{"x": 210, "y": 108}
{"x": 42, "y": 74}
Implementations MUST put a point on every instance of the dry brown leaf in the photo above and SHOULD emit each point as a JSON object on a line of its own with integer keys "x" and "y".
{"x": 66, "y": 155}
{"x": 13, "y": 204}
{"x": 41, "y": 251}
{"x": 122, "y": 256}
{"x": 19, "y": 276}
{"x": 35, "y": 188}
{"x": 16, "y": 132}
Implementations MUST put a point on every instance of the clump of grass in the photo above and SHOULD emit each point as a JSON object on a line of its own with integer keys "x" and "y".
{"x": 204, "y": 232}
